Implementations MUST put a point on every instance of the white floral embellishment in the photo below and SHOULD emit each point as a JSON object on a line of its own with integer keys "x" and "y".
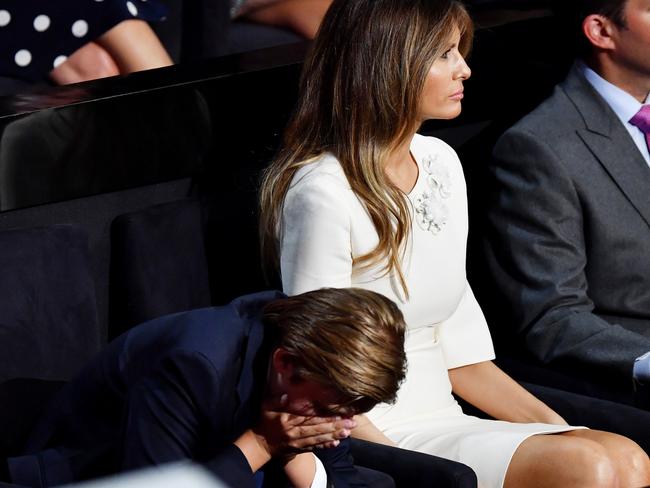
{"x": 431, "y": 212}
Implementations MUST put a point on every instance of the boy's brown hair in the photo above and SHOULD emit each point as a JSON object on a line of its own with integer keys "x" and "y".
{"x": 351, "y": 340}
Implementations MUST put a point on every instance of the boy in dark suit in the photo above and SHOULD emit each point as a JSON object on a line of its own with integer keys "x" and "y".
{"x": 264, "y": 378}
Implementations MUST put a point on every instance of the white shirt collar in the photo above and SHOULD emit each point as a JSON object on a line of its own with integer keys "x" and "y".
{"x": 624, "y": 105}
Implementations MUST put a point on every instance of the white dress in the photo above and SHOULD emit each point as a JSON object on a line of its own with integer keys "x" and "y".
{"x": 324, "y": 226}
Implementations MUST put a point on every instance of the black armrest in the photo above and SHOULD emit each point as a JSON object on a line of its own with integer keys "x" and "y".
{"x": 596, "y": 413}
{"x": 412, "y": 469}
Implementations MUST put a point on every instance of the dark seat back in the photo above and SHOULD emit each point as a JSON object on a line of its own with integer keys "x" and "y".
{"x": 48, "y": 315}
{"x": 48, "y": 322}
{"x": 158, "y": 264}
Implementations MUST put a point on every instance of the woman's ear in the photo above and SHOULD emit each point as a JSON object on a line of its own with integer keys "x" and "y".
{"x": 599, "y": 31}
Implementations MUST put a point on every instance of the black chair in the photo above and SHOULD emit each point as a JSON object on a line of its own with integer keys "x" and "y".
{"x": 410, "y": 468}
{"x": 48, "y": 322}
{"x": 48, "y": 309}
{"x": 158, "y": 264}
{"x": 247, "y": 36}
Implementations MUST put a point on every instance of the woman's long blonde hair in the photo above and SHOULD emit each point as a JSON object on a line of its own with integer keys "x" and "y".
{"x": 360, "y": 99}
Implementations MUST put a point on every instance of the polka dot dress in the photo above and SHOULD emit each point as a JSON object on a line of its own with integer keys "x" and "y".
{"x": 38, "y": 35}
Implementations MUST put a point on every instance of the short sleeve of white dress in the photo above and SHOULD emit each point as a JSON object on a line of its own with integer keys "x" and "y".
{"x": 464, "y": 336}
{"x": 315, "y": 249}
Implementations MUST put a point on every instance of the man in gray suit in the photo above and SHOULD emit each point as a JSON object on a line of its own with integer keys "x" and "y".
{"x": 569, "y": 225}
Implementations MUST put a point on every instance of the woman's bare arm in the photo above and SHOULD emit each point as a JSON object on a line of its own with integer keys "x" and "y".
{"x": 301, "y": 470}
{"x": 367, "y": 431}
{"x": 491, "y": 390}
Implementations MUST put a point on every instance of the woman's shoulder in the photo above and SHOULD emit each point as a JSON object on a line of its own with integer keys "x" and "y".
{"x": 321, "y": 171}
{"x": 432, "y": 146}
{"x": 317, "y": 186}
{"x": 436, "y": 155}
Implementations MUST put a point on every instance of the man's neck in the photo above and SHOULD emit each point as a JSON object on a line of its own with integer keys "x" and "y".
{"x": 630, "y": 81}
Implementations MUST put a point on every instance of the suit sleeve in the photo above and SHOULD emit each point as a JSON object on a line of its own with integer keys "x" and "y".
{"x": 339, "y": 465}
{"x": 167, "y": 418}
{"x": 535, "y": 248}
{"x": 315, "y": 246}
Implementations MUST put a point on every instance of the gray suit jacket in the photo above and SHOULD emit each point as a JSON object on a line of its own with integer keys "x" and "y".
{"x": 569, "y": 232}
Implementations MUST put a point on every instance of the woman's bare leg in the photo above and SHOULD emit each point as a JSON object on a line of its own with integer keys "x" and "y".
{"x": 301, "y": 16}
{"x": 129, "y": 46}
{"x": 578, "y": 459}
{"x": 134, "y": 46}
{"x": 87, "y": 63}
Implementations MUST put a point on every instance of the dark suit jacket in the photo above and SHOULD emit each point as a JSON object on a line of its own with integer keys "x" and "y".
{"x": 569, "y": 235}
{"x": 181, "y": 386}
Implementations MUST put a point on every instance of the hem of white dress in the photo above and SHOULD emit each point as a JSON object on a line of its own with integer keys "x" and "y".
{"x": 568, "y": 428}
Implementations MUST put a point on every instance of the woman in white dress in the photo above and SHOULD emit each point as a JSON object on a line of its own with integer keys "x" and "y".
{"x": 357, "y": 198}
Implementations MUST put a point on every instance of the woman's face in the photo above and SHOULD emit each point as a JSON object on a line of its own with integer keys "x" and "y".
{"x": 443, "y": 87}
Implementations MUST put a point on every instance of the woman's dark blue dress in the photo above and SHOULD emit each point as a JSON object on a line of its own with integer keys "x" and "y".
{"x": 38, "y": 35}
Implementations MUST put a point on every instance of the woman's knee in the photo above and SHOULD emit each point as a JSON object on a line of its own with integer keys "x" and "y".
{"x": 560, "y": 461}
{"x": 631, "y": 463}
{"x": 593, "y": 464}
{"x": 630, "y": 460}
{"x": 638, "y": 461}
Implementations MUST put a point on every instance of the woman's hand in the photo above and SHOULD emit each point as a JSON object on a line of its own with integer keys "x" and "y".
{"x": 489, "y": 389}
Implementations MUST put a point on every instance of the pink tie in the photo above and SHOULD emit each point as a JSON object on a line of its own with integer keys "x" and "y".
{"x": 642, "y": 121}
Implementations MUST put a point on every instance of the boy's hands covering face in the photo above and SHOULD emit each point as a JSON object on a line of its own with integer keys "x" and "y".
{"x": 285, "y": 434}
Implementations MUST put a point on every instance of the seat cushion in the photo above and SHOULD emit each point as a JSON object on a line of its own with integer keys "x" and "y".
{"x": 412, "y": 469}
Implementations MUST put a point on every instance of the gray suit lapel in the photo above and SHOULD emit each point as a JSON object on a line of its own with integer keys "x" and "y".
{"x": 610, "y": 143}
